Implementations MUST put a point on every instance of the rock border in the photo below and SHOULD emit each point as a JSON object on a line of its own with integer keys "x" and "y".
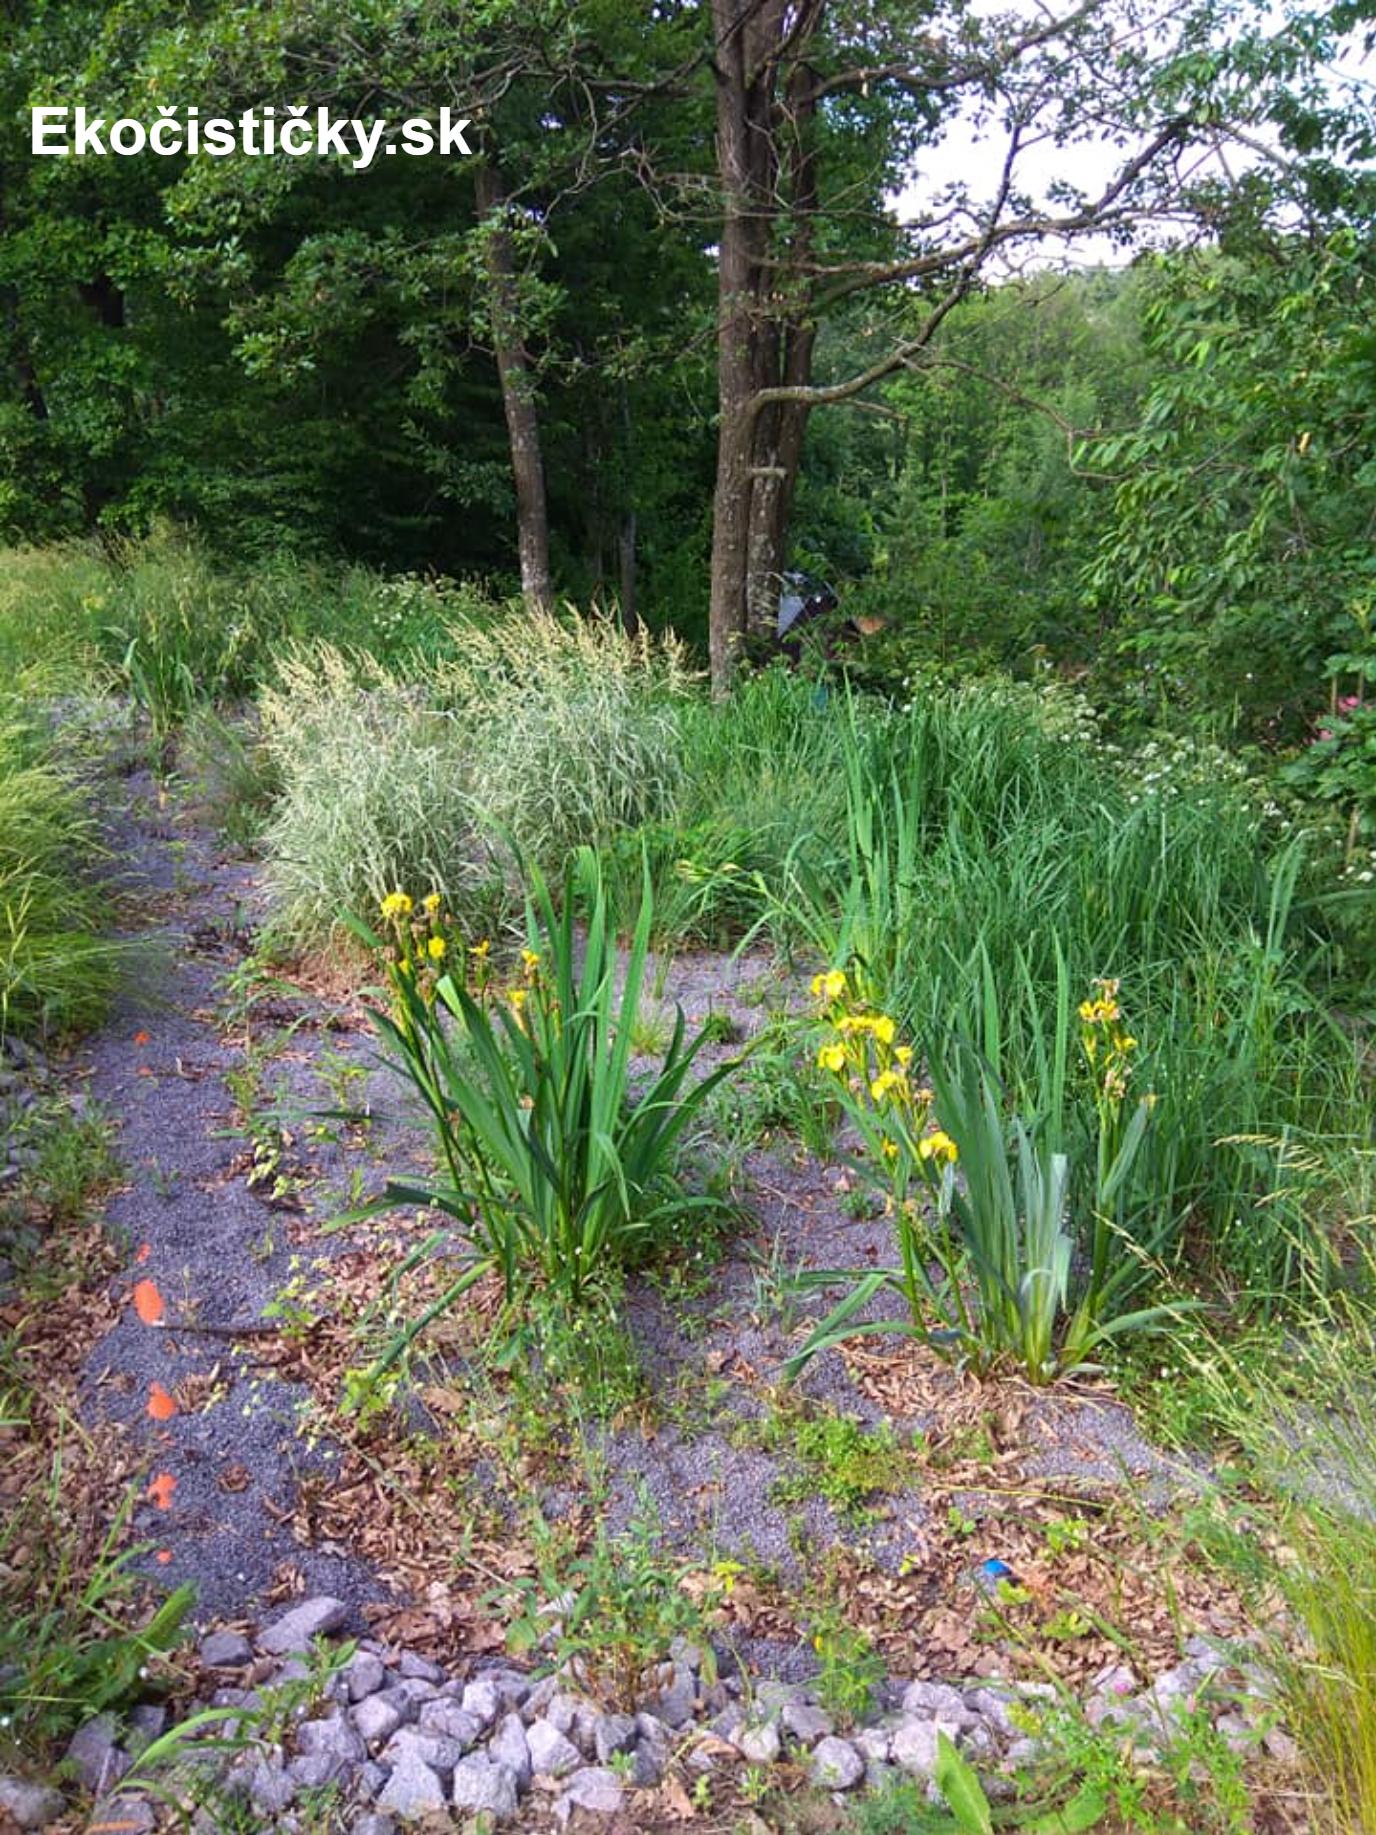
{"x": 401, "y": 1739}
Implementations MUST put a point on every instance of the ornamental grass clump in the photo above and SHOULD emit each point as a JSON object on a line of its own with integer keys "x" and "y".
{"x": 984, "y": 1207}
{"x": 572, "y": 728}
{"x": 557, "y": 1163}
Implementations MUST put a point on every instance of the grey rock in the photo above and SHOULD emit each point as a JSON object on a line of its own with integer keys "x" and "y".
{"x": 914, "y": 1744}
{"x": 651, "y": 1761}
{"x": 1025, "y": 1752}
{"x": 551, "y": 1754}
{"x": 373, "y": 1824}
{"x": 1235, "y": 1733}
{"x": 677, "y": 1699}
{"x": 613, "y": 1733}
{"x": 993, "y": 1706}
{"x": 512, "y": 1687}
{"x": 130, "y": 1815}
{"x": 584, "y": 1732}
{"x": 977, "y": 1741}
{"x": 314, "y": 1770}
{"x": 31, "y": 1805}
{"x": 771, "y": 1698}
{"x": 333, "y": 1736}
{"x": 267, "y": 1785}
{"x": 148, "y": 1721}
{"x": 417, "y": 1668}
{"x": 369, "y": 1780}
{"x": 806, "y": 1723}
{"x": 758, "y": 1742}
{"x": 447, "y": 1720}
{"x": 226, "y": 1650}
{"x": 561, "y": 1711}
{"x": 539, "y": 1697}
{"x": 508, "y": 1746}
{"x": 874, "y": 1743}
{"x": 935, "y": 1701}
{"x": 681, "y": 1650}
{"x": 836, "y": 1765}
{"x": 594, "y": 1789}
{"x": 482, "y": 1786}
{"x": 413, "y": 1790}
{"x": 1281, "y": 1747}
{"x": 651, "y": 1727}
{"x": 881, "y": 1777}
{"x": 365, "y": 1675}
{"x": 1210, "y": 1656}
{"x": 95, "y": 1757}
{"x": 377, "y": 1720}
{"x": 409, "y": 1697}
{"x": 483, "y": 1701}
{"x": 432, "y": 1749}
{"x": 293, "y": 1632}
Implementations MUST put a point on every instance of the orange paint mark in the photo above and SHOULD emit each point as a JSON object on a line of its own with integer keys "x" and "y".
{"x": 141, "y": 1254}
{"x": 148, "y": 1302}
{"x": 163, "y": 1556}
{"x": 161, "y": 1406}
{"x": 141, "y": 1038}
{"x": 160, "y": 1490}
{"x": 144, "y": 1070}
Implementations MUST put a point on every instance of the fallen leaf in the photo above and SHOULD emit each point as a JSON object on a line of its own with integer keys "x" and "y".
{"x": 148, "y": 1303}
{"x": 161, "y": 1406}
{"x": 160, "y": 1490}
{"x": 142, "y": 1253}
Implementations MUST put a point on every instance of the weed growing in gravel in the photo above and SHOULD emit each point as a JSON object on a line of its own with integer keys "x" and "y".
{"x": 611, "y": 1611}
{"x": 849, "y": 1668}
{"x": 841, "y": 1460}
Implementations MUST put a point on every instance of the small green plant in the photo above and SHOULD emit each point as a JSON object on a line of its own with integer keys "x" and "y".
{"x": 560, "y": 1170}
{"x": 610, "y": 1612}
{"x": 68, "y": 1648}
{"x": 843, "y": 1461}
{"x": 849, "y": 1668}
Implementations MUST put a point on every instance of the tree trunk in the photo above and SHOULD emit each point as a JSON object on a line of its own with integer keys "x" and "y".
{"x": 765, "y": 335}
{"x": 518, "y": 404}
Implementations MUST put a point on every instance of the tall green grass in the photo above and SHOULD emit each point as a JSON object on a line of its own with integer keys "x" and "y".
{"x": 171, "y": 624}
{"x": 56, "y": 970}
{"x": 1302, "y": 1540}
{"x": 983, "y": 855}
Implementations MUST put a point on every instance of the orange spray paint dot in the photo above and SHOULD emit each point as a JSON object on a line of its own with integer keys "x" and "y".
{"x": 141, "y": 1038}
{"x": 163, "y": 1556}
{"x": 144, "y": 1250}
{"x": 161, "y": 1406}
{"x": 148, "y": 1302}
{"x": 160, "y": 1490}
